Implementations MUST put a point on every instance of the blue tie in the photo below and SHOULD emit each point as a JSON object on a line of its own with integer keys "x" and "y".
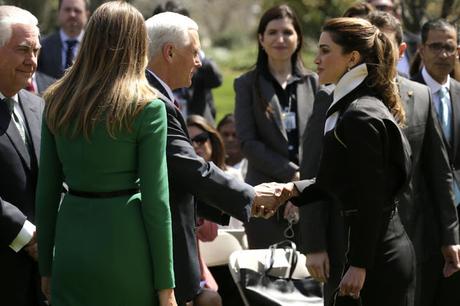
{"x": 71, "y": 44}
{"x": 444, "y": 112}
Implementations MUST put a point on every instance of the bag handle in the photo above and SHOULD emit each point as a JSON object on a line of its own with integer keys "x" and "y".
{"x": 285, "y": 245}
{"x": 335, "y": 294}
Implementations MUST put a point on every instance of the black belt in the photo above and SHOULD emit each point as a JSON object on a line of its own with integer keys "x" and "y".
{"x": 354, "y": 212}
{"x": 103, "y": 194}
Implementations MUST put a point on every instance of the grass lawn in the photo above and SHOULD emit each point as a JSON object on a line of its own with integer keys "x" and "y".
{"x": 224, "y": 96}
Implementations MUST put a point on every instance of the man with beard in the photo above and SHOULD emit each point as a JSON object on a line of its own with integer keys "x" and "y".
{"x": 60, "y": 48}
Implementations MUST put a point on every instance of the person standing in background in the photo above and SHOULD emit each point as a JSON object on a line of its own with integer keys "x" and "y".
{"x": 439, "y": 52}
{"x": 273, "y": 104}
{"x": 60, "y": 48}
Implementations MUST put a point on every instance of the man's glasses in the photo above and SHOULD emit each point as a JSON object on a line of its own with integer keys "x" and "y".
{"x": 200, "y": 139}
{"x": 440, "y": 47}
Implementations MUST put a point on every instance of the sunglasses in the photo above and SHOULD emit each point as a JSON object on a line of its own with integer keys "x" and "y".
{"x": 201, "y": 138}
{"x": 438, "y": 47}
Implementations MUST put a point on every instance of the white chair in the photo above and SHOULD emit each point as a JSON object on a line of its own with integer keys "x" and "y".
{"x": 217, "y": 252}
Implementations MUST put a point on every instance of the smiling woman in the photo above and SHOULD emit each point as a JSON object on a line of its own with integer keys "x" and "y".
{"x": 273, "y": 103}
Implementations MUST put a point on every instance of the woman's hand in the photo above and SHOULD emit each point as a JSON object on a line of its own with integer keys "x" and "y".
{"x": 46, "y": 287}
{"x": 166, "y": 297}
{"x": 352, "y": 282}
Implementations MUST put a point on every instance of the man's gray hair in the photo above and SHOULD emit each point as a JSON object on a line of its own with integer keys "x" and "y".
{"x": 168, "y": 27}
{"x": 10, "y": 15}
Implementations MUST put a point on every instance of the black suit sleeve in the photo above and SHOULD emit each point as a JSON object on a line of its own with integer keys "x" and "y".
{"x": 435, "y": 160}
{"x": 11, "y": 222}
{"x": 204, "y": 180}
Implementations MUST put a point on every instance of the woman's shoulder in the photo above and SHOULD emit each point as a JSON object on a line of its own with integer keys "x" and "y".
{"x": 153, "y": 108}
{"x": 246, "y": 77}
{"x": 367, "y": 109}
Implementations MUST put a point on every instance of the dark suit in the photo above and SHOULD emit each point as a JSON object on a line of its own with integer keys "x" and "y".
{"x": 364, "y": 165}
{"x": 447, "y": 293}
{"x": 190, "y": 178}
{"x": 321, "y": 225}
{"x": 201, "y": 101}
{"x": 264, "y": 141}
{"x": 50, "y": 58}
{"x": 19, "y": 168}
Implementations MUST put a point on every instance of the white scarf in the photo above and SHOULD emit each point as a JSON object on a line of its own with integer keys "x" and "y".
{"x": 349, "y": 81}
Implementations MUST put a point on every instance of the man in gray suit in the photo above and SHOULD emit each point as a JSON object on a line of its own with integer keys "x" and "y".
{"x": 20, "y": 122}
{"x": 173, "y": 57}
{"x": 439, "y": 52}
{"x": 427, "y": 208}
{"x": 60, "y": 48}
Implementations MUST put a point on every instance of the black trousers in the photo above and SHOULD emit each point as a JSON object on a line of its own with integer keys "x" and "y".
{"x": 449, "y": 288}
{"x": 391, "y": 281}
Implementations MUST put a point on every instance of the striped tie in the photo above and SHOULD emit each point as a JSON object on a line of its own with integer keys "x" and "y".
{"x": 17, "y": 119}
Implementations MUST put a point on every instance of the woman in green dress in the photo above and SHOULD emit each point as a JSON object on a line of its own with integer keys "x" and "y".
{"x": 104, "y": 136}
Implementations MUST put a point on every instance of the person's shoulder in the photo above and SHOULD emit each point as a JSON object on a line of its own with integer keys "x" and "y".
{"x": 50, "y": 39}
{"x": 28, "y": 97}
{"x": 366, "y": 108}
{"x": 411, "y": 84}
{"x": 248, "y": 76}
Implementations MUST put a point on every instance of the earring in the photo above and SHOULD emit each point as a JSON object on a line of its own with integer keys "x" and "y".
{"x": 348, "y": 68}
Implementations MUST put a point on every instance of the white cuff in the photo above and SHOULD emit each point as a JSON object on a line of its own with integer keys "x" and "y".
{"x": 24, "y": 236}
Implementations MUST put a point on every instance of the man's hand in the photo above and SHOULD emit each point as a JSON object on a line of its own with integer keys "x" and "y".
{"x": 31, "y": 247}
{"x": 269, "y": 197}
{"x": 451, "y": 255}
{"x": 318, "y": 265}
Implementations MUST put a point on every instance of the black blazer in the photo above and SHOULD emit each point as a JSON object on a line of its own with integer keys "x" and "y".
{"x": 50, "y": 58}
{"x": 190, "y": 178}
{"x": 263, "y": 135}
{"x": 427, "y": 208}
{"x": 321, "y": 225}
{"x": 366, "y": 159}
{"x": 201, "y": 101}
{"x": 19, "y": 169}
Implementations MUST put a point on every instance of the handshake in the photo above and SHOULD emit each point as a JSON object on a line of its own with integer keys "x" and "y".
{"x": 270, "y": 196}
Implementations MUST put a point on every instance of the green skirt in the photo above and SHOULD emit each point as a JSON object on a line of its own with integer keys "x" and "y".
{"x": 101, "y": 254}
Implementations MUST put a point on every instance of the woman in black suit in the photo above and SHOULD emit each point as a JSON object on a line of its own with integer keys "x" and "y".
{"x": 273, "y": 104}
{"x": 365, "y": 162}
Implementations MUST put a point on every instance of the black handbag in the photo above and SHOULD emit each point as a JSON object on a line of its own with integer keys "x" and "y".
{"x": 338, "y": 300}
{"x": 260, "y": 288}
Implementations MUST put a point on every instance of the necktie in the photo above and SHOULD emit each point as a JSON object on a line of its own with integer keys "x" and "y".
{"x": 71, "y": 44}
{"x": 444, "y": 112}
{"x": 16, "y": 119}
{"x": 444, "y": 115}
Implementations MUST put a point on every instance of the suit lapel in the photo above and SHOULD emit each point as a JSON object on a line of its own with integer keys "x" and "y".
{"x": 305, "y": 101}
{"x": 32, "y": 121}
{"x": 12, "y": 132}
{"x": 407, "y": 97}
{"x": 163, "y": 95}
{"x": 268, "y": 92}
{"x": 455, "y": 101}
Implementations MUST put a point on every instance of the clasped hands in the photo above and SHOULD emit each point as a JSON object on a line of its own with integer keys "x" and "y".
{"x": 270, "y": 196}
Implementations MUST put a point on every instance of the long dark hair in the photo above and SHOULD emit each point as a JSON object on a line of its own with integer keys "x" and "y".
{"x": 273, "y": 13}
{"x": 377, "y": 51}
{"x": 218, "y": 150}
